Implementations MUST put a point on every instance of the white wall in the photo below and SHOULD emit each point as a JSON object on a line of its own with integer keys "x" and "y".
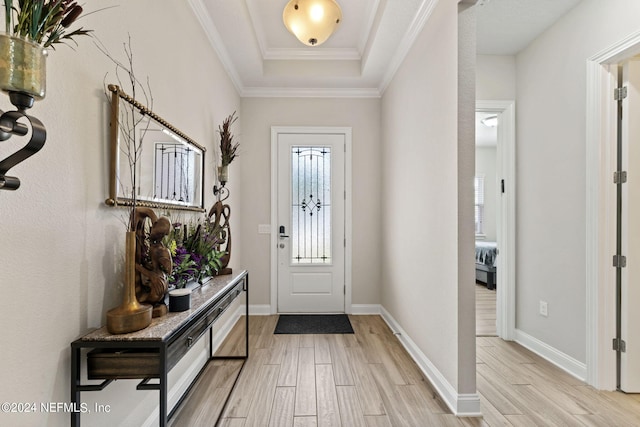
{"x": 363, "y": 116}
{"x": 62, "y": 247}
{"x": 422, "y": 283}
{"x": 486, "y": 165}
{"x": 496, "y": 77}
{"x": 551, "y": 96}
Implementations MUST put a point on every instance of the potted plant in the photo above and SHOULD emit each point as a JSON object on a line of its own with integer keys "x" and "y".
{"x": 31, "y": 27}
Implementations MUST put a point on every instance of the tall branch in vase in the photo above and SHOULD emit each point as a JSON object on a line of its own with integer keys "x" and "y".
{"x": 228, "y": 151}
{"x": 131, "y": 315}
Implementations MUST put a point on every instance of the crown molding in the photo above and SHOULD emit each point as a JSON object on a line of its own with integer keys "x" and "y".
{"x": 215, "y": 39}
{"x": 371, "y": 17}
{"x": 203, "y": 16}
{"x": 426, "y": 8}
{"x": 297, "y": 54}
{"x": 258, "y": 30}
{"x": 289, "y": 92}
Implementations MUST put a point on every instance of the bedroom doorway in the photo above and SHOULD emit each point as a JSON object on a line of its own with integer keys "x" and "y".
{"x": 496, "y": 266}
{"x": 486, "y": 200}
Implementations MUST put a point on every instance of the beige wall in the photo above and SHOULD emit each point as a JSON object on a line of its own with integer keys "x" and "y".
{"x": 62, "y": 248}
{"x": 363, "y": 116}
{"x": 420, "y": 189}
{"x": 496, "y": 77}
{"x": 551, "y": 159}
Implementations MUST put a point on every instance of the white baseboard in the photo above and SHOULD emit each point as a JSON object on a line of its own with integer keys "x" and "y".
{"x": 553, "y": 355}
{"x": 365, "y": 309}
{"x": 461, "y": 405}
{"x": 258, "y": 309}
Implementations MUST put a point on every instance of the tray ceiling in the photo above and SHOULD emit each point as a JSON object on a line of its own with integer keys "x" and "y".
{"x": 359, "y": 59}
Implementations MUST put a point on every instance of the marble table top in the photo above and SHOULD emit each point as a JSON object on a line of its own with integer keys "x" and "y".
{"x": 162, "y": 327}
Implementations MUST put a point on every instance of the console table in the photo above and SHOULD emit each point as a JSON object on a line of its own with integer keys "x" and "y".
{"x": 151, "y": 352}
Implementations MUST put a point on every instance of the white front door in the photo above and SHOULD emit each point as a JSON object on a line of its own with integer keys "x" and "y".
{"x": 310, "y": 222}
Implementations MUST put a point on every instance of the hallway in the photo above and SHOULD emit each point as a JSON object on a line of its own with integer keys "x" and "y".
{"x": 367, "y": 379}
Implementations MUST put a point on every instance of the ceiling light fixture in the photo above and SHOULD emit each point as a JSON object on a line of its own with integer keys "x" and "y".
{"x": 312, "y": 21}
{"x": 490, "y": 121}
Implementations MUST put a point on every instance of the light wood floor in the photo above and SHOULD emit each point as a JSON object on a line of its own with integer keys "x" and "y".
{"x": 485, "y": 312}
{"x": 367, "y": 379}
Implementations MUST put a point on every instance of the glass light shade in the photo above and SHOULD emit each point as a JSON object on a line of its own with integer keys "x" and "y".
{"x": 312, "y": 21}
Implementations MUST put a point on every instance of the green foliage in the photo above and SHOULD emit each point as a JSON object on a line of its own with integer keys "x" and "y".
{"x": 43, "y": 21}
{"x": 194, "y": 249}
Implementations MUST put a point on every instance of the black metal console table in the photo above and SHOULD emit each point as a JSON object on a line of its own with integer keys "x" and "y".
{"x": 160, "y": 346}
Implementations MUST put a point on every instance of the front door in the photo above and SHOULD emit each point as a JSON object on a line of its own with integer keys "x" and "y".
{"x": 311, "y": 222}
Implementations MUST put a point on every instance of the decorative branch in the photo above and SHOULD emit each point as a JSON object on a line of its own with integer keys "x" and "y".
{"x": 133, "y": 123}
{"x": 228, "y": 150}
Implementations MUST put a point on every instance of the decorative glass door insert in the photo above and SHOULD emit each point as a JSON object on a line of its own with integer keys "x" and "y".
{"x": 310, "y": 205}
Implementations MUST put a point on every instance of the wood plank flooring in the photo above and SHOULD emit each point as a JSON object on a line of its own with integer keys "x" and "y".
{"x": 485, "y": 312}
{"x": 367, "y": 379}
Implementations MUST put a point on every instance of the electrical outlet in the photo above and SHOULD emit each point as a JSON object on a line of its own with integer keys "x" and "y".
{"x": 544, "y": 309}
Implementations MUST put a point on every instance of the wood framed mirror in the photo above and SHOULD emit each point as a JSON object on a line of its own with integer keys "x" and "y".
{"x": 169, "y": 169}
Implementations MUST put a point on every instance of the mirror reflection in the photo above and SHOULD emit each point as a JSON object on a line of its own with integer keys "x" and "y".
{"x": 169, "y": 165}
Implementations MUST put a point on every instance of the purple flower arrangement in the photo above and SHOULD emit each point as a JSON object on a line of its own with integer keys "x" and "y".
{"x": 194, "y": 251}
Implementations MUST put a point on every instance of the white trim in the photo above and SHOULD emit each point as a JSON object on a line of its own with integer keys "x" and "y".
{"x": 291, "y": 92}
{"x": 359, "y": 309}
{"x": 461, "y": 405}
{"x": 215, "y": 39}
{"x": 416, "y": 26}
{"x": 258, "y": 309}
{"x": 303, "y": 54}
{"x": 348, "y": 208}
{"x": 600, "y": 217}
{"x": 553, "y": 355}
{"x": 506, "y": 271}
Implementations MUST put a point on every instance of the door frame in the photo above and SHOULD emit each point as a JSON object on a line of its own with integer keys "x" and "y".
{"x": 346, "y": 131}
{"x": 506, "y": 226}
{"x": 600, "y": 209}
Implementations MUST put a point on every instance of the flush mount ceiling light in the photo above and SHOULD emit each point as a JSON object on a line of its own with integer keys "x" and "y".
{"x": 312, "y": 21}
{"x": 490, "y": 121}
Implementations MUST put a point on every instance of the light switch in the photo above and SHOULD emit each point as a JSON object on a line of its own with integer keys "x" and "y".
{"x": 264, "y": 228}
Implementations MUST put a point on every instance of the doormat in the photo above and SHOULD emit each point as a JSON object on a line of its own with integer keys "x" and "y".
{"x": 313, "y": 324}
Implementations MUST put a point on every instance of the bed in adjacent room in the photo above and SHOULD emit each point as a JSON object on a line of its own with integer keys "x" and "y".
{"x": 486, "y": 254}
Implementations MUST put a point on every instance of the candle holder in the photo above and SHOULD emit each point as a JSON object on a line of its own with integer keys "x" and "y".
{"x": 221, "y": 192}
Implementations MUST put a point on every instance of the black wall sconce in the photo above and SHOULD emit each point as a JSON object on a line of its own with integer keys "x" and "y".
{"x": 221, "y": 192}
{"x": 9, "y": 126}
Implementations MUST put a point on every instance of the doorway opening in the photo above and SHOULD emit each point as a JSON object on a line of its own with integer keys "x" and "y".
{"x": 505, "y": 187}
{"x": 486, "y": 198}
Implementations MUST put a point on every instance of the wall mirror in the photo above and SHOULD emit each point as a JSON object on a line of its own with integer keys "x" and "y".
{"x": 169, "y": 167}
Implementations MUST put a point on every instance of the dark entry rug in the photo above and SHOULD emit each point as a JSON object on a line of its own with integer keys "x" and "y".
{"x": 313, "y": 324}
